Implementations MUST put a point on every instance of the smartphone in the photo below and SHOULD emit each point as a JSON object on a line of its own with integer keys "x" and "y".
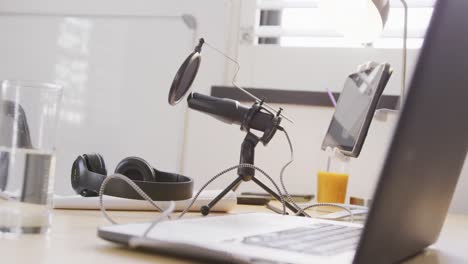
{"x": 355, "y": 109}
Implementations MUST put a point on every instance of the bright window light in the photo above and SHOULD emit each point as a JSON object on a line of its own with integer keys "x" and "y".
{"x": 306, "y": 24}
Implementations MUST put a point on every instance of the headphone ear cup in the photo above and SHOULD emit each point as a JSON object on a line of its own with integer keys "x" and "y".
{"x": 95, "y": 163}
{"x": 136, "y": 169}
{"x": 84, "y": 181}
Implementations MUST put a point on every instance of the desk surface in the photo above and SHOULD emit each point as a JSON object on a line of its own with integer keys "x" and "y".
{"x": 73, "y": 240}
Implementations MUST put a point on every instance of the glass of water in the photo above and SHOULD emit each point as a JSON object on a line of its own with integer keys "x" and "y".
{"x": 28, "y": 123}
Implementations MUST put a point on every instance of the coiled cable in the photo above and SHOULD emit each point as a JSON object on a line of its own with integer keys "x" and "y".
{"x": 166, "y": 213}
{"x": 129, "y": 182}
{"x": 291, "y": 160}
{"x": 342, "y": 206}
{"x": 244, "y": 165}
{"x": 288, "y": 196}
{"x": 170, "y": 209}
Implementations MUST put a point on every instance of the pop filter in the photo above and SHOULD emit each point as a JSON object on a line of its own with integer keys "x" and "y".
{"x": 188, "y": 71}
{"x": 185, "y": 75}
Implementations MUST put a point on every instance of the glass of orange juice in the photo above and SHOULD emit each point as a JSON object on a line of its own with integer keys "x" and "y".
{"x": 332, "y": 181}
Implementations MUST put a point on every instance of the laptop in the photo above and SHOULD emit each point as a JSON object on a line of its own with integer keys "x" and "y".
{"x": 413, "y": 194}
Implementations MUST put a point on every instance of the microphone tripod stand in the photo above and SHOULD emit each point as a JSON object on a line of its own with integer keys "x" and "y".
{"x": 247, "y": 157}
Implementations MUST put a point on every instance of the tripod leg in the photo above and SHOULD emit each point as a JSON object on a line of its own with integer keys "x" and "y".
{"x": 237, "y": 186}
{"x": 205, "y": 210}
{"x": 277, "y": 197}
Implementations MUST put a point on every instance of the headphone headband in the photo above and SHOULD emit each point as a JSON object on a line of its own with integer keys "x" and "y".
{"x": 167, "y": 186}
{"x": 157, "y": 191}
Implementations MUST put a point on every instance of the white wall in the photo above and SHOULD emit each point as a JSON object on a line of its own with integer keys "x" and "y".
{"x": 314, "y": 69}
{"x": 116, "y": 60}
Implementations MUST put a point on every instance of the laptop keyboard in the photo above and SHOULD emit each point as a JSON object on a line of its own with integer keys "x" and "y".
{"x": 318, "y": 239}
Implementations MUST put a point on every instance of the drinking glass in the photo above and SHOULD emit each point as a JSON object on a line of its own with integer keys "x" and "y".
{"x": 28, "y": 123}
{"x": 332, "y": 181}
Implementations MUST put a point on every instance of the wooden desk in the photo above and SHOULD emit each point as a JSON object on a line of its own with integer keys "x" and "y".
{"x": 73, "y": 240}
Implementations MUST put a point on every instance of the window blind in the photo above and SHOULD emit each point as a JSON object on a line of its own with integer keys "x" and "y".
{"x": 302, "y": 23}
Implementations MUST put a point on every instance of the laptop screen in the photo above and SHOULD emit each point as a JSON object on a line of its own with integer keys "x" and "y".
{"x": 428, "y": 148}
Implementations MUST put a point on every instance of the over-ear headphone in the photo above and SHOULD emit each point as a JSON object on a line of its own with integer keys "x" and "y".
{"x": 89, "y": 171}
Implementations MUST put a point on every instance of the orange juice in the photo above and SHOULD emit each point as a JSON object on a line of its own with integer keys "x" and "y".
{"x": 331, "y": 187}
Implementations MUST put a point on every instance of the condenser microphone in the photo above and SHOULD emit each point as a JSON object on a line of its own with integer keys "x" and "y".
{"x": 232, "y": 112}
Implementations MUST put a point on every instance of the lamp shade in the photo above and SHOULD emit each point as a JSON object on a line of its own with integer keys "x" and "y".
{"x": 383, "y": 6}
{"x": 360, "y": 20}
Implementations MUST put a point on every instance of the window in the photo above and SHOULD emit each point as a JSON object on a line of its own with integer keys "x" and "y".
{"x": 302, "y": 23}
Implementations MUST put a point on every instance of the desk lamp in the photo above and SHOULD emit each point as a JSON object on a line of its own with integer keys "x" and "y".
{"x": 364, "y": 21}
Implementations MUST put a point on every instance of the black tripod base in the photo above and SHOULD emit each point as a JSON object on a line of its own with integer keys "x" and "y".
{"x": 248, "y": 174}
{"x": 206, "y": 209}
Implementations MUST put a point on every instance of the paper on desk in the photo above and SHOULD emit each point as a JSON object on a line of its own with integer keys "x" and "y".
{"x": 116, "y": 203}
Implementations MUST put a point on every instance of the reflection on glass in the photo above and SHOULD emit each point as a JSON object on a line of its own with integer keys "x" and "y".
{"x": 71, "y": 69}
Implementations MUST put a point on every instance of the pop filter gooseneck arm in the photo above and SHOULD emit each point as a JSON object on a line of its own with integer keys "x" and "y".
{"x": 234, "y": 83}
